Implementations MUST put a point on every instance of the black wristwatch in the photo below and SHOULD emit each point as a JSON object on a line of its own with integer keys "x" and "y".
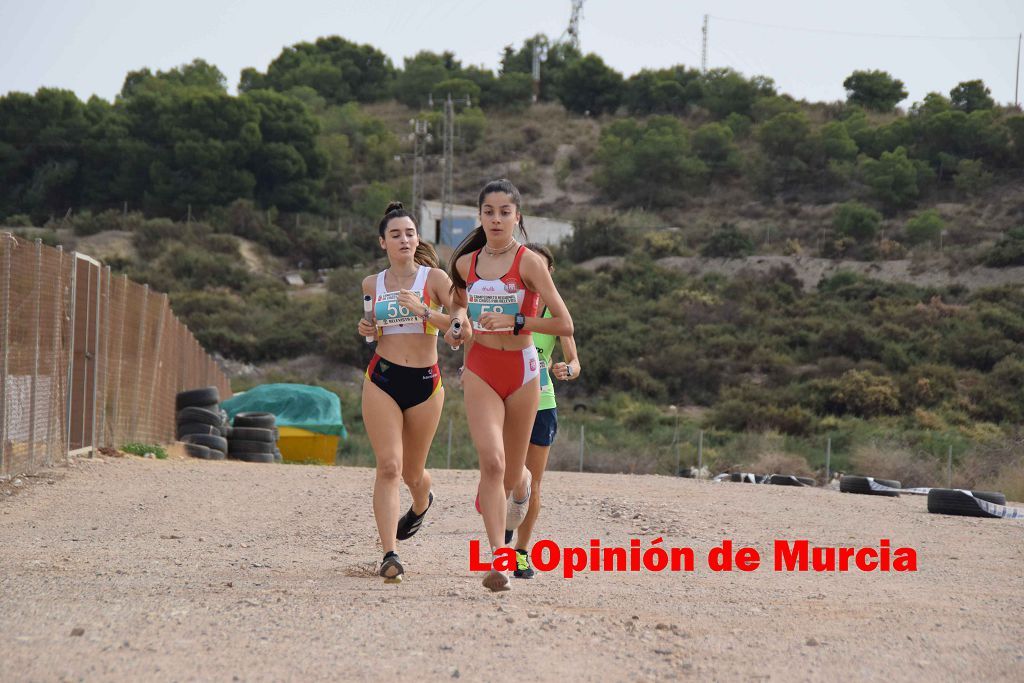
{"x": 520, "y": 321}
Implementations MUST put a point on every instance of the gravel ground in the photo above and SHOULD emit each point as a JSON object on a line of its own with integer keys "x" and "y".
{"x": 133, "y": 569}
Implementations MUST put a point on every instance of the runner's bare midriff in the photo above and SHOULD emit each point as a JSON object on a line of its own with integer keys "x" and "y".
{"x": 410, "y": 350}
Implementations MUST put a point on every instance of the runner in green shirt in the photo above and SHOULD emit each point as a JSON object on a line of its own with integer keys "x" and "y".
{"x": 545, "y": 425}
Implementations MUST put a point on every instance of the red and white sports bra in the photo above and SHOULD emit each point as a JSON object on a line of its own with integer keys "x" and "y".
{"x": 507, "y": 295}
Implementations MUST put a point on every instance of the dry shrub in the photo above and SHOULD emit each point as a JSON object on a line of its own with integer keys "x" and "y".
{"x": 775, "y": 462}
{"x": 567, "y": 458}
{"x": 888, "y": 461}
{"x": 994, "y": 466}
{"x": 1011, "y": 482}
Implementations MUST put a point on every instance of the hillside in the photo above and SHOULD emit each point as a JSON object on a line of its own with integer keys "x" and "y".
{"x": 782, "y": 272}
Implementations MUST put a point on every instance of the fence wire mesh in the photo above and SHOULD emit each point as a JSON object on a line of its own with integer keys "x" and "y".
{"x": 87, "y": 358}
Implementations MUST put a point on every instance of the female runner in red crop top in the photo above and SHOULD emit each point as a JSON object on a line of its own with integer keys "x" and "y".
{"x": 497, "y": 281}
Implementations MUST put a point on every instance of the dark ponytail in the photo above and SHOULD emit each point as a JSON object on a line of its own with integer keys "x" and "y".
{"x": 425, "y": 254}
{"x": 543, "y": 251}
{"x": 478, "y": 238}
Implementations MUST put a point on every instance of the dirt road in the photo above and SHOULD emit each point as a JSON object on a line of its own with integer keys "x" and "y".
{"x": 193, "y": 570}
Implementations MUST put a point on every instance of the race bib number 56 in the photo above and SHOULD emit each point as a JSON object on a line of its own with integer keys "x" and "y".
{"x": 387, "y": 311}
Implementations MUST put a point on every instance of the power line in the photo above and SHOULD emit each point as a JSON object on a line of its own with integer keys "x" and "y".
{"x": 858, "y": 34}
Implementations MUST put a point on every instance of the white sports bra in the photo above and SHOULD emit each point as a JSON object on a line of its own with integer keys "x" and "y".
{"x": 391, "y": 318}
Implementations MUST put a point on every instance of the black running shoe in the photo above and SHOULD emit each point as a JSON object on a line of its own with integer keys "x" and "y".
{"x": 523, "y": 568}
{"x": 410, "y": 522}
{"x": 509, "y": 533}
{"x": 391, "y": 569}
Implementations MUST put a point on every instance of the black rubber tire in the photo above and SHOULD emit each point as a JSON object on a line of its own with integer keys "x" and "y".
{"x": 253, "y": 434}
{"x": 197, "y": 397}
{"x": 201, "y": 415}
{"x": 196, "y": 428}
{"x": 254, "y": 457}
{"x": 242, "y": 446}
{"x": 953, "y": 502}
{"x": 197, "y": 451}
{"x": 209, "y": 440}
{"x": 259, "y": 420}
{"x": 786, "y": 480}
{"x": 852, "y": 483}
{"x": 807, "y": 481}
{"x": 991, "y": 496}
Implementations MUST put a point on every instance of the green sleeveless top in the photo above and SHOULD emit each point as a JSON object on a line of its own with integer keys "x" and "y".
{"x": 545, "y": 344}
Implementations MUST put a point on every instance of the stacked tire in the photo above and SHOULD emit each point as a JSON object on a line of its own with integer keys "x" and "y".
{"x": 201, "y": 424}
{"x": 254, "y": 438}
{"x": 851, "y": 483}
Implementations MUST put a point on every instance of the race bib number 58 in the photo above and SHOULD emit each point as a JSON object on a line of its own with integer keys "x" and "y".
{"x": 507, "y": 304}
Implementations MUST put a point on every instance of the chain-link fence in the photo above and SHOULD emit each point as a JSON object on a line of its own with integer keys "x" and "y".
{"x": 87, "y": 359}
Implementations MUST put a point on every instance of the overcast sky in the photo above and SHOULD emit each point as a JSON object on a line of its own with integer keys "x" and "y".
{"x": 807, "y": 46}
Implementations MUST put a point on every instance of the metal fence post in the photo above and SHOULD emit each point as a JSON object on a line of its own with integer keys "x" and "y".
{"x": 96, "y": 352}
{"x": 58, "y": 291}
{"x": 949, "y": 468}
{"x": 828, "y": 461}
{"x": 449, "y": 443}
{"x": 582, "y": 428}
{"x": 700, "y": 454}
{"x": 105, "y": 318}
{"x": 33, "y": 392}
{"x": 71, "y": 350}
{"x": 138, "y": 363}
{"x": 156, "y": 367}
{"x": 85, "y": 355}
{"x": 5, "y": 335}
{"x": 120, "y": 360}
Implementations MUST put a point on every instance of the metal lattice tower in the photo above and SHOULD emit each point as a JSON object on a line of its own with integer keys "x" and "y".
{"x": 447, "y": 184}
{"x": 704, "y": 47}
{"x": 574, "y": 24}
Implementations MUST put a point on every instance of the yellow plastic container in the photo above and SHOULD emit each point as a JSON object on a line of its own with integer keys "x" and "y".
{"x": 301, "y": 445}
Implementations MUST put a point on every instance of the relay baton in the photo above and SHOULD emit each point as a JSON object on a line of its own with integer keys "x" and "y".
{"x": 367, "y": 309}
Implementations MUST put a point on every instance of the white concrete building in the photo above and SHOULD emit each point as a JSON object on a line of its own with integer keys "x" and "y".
{"x": 465, "y": 218}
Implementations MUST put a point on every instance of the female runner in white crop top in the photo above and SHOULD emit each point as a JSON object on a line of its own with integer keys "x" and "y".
{"x": 402, "y": 392}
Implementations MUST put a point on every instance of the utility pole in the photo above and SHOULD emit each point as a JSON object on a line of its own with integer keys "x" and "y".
{"x": 539, "y": 54}
{"x": 704, "y": 47}
{"x": 420, "y": 137}
{"x": 447, "y": 182}
{"x": 1016, "y": 78}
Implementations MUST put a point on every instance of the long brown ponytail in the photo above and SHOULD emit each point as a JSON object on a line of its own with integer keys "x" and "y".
{"x": 426, "y": 255}
{"x": 478, "y": 238}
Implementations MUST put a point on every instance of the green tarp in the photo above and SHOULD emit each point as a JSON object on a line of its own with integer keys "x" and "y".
{"x": 295, "y": 405}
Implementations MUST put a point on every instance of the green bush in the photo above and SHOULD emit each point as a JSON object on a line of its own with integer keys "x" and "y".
{"x": 971, "y": 177}
{"x": 864, "y": 394}
{"x": 926, "y": 226}
{"x": 894, "y": 178}
{"x": 728, "y": 242}
{"x": 648, "y": 165}
{"x": 856, "y": 221}
{"x": 876, "y": 90}
{"x": 1008, "y": 252}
